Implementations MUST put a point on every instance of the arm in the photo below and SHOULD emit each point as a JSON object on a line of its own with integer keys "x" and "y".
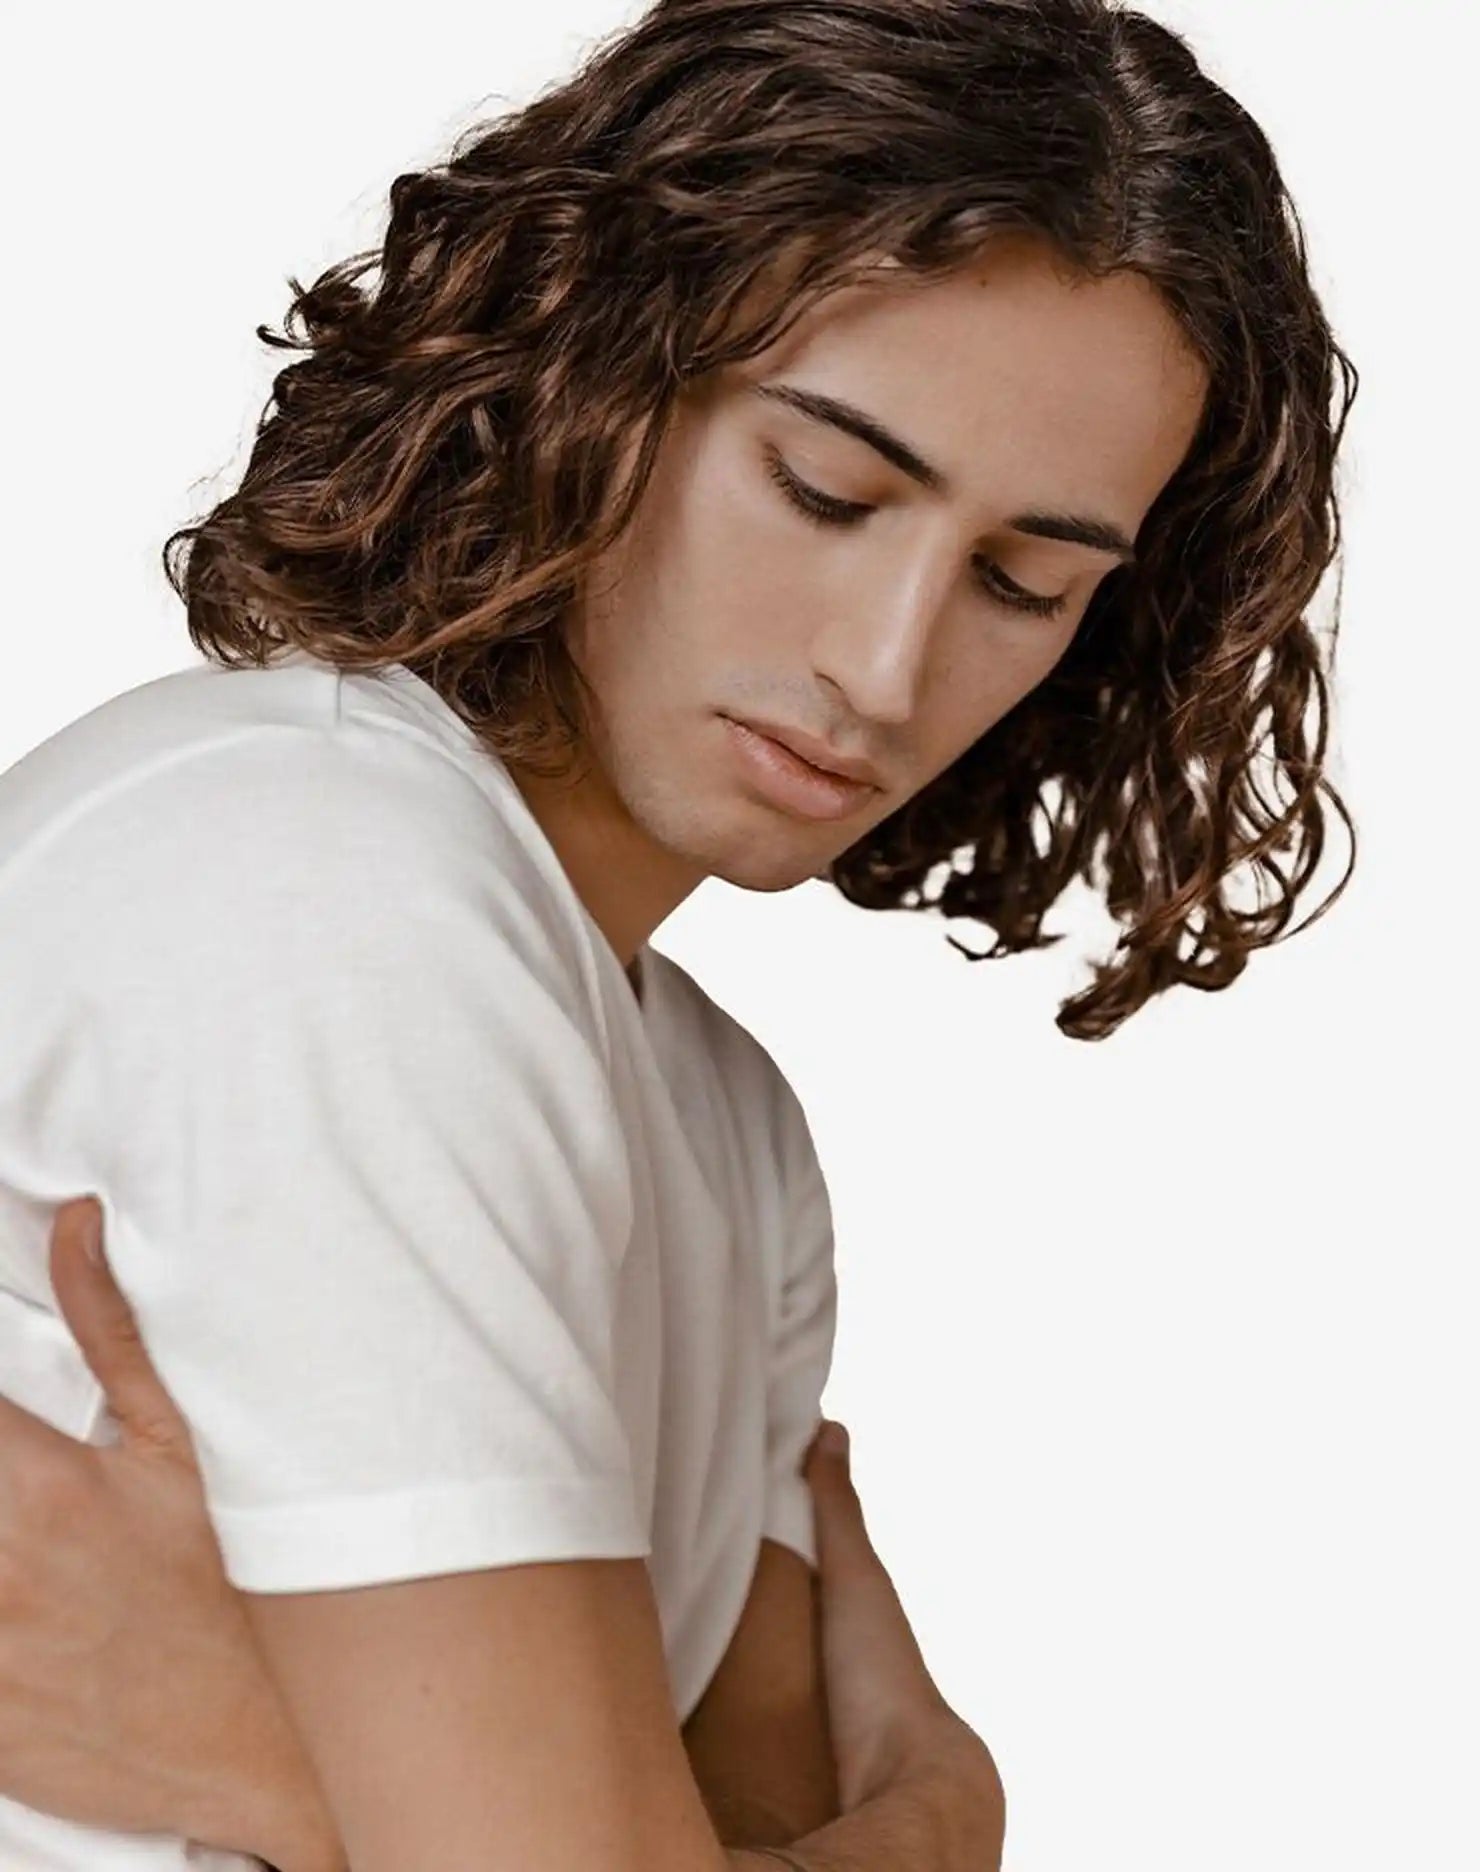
{"x": 949, "y": 1816}
{"x": 945, "y": 1814}
{"x": 759, "y": 1752}
{"x": 445, "y": 1717}
{"x": 945, "y": 1818}
{"x": 366, "y": 1187}
{"x": 125, "y": 1526}
{"x": 926, "y": 1790}
{"x": 758, "y": 1740}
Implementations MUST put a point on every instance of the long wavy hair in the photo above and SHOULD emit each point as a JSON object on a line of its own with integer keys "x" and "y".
{"x": 449, "y": 453}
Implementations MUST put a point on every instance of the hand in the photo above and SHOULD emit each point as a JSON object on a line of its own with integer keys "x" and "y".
{"x": 132, "y": 1692}
{"x": 886, "y": 1715}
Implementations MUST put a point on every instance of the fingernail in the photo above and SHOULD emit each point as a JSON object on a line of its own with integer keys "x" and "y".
{"x": 832, "y": 1440}
{"x": 92, "y": 1235}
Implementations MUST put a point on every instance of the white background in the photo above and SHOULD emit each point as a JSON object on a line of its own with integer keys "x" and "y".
{"x": 1158, "y": 1353}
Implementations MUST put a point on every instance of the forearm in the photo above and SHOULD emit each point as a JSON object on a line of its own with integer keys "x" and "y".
{"x": 300, "y": 1841}
{"x": 927, "y": 1828}
{"x": 932, "y": 1821}
{"x": 766, "y": 1777}
{"x": 945, "y": 1819}
{"x": 276, "y": 1813}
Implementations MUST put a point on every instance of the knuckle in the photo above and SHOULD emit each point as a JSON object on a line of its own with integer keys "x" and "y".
{"x": 123, "y": 1327}
{"x": 161, "y": 1436}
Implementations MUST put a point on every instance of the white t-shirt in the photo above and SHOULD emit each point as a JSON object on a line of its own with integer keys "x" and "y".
{"x": 453, "y": 1252}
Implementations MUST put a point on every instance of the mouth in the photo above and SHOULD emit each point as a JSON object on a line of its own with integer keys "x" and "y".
{"x": 785, "y": 779}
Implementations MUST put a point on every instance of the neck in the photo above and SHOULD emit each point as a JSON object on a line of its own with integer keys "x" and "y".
{"x": 628, "y": 884}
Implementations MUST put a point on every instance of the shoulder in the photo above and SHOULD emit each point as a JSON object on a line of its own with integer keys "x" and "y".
{"x": 753, "y": 1078}
{"x": 275, "y": 820}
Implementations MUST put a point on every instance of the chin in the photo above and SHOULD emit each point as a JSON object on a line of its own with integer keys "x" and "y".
{"x": 738, "y": 840}
{"x": 781, "y": 875}
{"x": 763, "y": 862}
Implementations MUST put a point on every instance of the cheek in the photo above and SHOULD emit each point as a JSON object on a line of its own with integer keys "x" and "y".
{"x": 987, "y": 664}
{"x": 708, "y": 589}
{"x": 745, "y": 570}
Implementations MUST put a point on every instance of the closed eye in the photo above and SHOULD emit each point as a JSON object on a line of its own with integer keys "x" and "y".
{"x": 830, "y": 510}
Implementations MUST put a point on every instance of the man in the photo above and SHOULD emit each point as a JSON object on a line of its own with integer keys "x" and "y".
{"x": 828, "y": 434}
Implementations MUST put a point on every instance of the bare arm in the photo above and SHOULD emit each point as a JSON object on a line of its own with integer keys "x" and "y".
{"x": 758, "y": 1740}
{"x": 940, "y": 1808}
{"x": 758, "y": 1747}
{"x": 126, "y": 1527}
{"x": 443, "y": 1718}
{"x": 947, "y": 1818}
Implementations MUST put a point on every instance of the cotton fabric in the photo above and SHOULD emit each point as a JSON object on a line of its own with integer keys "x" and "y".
{"x": 454, "y": 1252}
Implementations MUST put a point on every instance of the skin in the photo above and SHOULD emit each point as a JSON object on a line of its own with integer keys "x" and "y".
{"x": 1027, "y": 388}
{"x": 133, "y": 1696}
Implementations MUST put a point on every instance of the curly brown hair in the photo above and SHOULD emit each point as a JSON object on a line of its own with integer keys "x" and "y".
{"x": 443, "y": 461}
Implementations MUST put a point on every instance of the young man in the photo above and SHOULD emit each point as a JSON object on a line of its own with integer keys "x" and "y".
{"x": 832, "y": 429}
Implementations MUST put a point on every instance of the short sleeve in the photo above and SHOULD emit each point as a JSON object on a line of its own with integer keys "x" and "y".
{"x": 364, "y": 1182}
{"x": 803, "y": 1335}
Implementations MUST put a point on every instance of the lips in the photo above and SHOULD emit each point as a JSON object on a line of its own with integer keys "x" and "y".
{"x": 815, "y": 753}
{"x": 784, "y": 778}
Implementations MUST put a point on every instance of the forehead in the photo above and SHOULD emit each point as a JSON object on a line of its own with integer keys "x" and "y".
{"x": 1012, "y": 371}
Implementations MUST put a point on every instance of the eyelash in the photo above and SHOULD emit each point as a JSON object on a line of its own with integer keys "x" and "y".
{"x": 826, "y": 510}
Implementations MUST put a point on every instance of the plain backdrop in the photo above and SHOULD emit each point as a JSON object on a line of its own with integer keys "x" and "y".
{"x": 1158, "y": 1353}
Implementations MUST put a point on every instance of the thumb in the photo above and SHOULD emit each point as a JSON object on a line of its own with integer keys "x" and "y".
{"x": 102, "y": 1322}
{"x": 861, "y": 1605}
{"x": 840, "y": 1523}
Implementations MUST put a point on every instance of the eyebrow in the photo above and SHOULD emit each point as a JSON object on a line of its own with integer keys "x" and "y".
{"x": 1077, "y": 529}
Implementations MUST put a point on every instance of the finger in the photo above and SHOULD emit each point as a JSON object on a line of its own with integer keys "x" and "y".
{"x": 26, "y": 1437}
{"x": 840, "y": 1513}
{"x": 863, "y": 1597}
{"x": 98, "y": 1314}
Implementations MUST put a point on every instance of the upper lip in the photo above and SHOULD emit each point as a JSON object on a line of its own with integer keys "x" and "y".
{"x": 816, "y": 753}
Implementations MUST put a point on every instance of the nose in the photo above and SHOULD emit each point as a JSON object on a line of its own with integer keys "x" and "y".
{"x": 874, "y": 643}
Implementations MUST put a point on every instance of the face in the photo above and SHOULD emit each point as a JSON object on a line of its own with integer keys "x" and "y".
{"x": 783, "y": 570}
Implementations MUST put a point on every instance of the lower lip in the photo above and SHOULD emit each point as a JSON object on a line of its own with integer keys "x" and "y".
{"x": 791, "y": 782}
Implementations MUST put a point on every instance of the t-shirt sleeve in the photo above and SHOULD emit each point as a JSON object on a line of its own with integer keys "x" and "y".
{"x": 803, "y": 1335}
{"x": 363, "y": 1178}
